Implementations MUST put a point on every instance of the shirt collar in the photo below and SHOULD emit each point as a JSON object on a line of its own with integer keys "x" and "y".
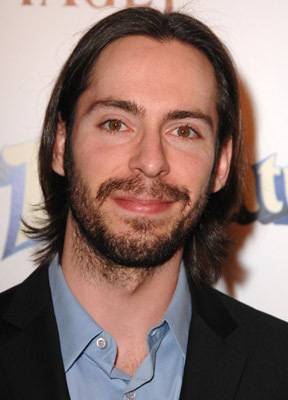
{"x": 179, "y": 312}
{"x": 77, "y": 329}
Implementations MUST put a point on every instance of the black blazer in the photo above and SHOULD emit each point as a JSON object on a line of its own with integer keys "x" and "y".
{"x": 234, "y": 352}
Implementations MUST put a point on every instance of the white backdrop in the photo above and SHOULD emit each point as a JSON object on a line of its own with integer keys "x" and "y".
{"x": 36, "y": 38}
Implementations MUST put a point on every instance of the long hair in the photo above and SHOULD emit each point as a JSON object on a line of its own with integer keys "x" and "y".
{"x": 204, "y": 249}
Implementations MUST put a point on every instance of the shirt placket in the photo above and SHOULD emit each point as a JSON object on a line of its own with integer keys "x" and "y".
{"x": 145, "y": 372}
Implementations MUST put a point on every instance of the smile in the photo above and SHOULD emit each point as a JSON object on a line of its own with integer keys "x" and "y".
{"x": 143, "y": 206}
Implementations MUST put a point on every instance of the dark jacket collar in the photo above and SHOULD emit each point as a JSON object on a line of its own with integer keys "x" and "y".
{"x": 213, "y": 366}
{"x": 31, "y": 359}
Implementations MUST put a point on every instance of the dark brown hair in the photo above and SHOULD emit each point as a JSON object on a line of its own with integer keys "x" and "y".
{"x": 204, "y": 250}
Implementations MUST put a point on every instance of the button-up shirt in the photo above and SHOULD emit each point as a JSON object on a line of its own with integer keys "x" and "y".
{"x": 89, "y": 352}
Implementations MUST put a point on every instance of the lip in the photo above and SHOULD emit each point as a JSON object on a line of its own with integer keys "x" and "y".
{"x": 142, "y": 205}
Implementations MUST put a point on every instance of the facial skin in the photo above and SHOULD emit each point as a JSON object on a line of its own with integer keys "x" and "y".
{"x": 143, "y": 146}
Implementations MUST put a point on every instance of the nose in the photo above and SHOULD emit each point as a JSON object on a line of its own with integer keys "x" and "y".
{"x": 149, "y": 157}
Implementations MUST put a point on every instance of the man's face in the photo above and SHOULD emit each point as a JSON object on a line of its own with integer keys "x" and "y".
{"x": 143, "y": 146}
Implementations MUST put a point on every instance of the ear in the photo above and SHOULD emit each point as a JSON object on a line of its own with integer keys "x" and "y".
{"x": 59, "y": 148}
{"x": 223, "y": 166}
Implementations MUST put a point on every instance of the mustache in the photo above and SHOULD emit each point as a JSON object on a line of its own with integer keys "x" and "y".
{"x": 136, "y": 186}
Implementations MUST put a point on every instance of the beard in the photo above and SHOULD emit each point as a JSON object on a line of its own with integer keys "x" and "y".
{"x": 140, "y": 246}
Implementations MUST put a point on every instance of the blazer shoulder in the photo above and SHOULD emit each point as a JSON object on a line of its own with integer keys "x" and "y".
{"x": 247, "y": 315}
{"x": 6, "y": 297}
{"x": 263, "y": 337}
{"x": 238, "y": 322}
{"x": 21, "y": 303}
{"x": 264, "y": 340}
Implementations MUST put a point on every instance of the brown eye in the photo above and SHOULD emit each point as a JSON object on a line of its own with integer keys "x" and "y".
{"x": 184, "y": 131}
{"x": 115, "y": 125}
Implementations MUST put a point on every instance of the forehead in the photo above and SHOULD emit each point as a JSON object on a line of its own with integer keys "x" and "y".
{"x": 140, "y": 68}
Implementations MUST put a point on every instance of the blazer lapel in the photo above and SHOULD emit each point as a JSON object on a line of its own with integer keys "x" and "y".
{"x": 32, "y": 362}
{"x": 213, "y": 367}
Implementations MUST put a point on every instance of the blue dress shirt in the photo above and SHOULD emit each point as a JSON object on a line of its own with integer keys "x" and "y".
{"x": 89, "y": 352}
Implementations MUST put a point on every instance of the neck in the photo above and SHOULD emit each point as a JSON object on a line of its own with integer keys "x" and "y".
{"x": 91, "y": 276}
{"x": 121, "y": 299}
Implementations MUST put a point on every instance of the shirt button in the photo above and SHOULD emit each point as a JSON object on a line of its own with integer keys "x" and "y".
{"x": 131, "y": 395}
{"x": 153, "y": 333}
{"x": 101, "y": 343}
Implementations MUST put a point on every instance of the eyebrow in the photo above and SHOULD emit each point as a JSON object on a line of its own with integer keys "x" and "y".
{"x": 190, "y": 114}
{"x": 128, "y": 106}
{"x": 132, "y": 107}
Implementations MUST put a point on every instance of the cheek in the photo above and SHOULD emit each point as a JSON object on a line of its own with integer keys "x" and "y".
{"x": 193, "y": 170}
{"x": 99, "y": 162}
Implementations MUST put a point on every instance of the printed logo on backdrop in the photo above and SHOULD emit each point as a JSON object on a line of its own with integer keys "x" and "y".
{"x": 271, "y": 182}
{"x": 97, "y": 3}
{"x": 19, "y": 189}
{"x": 18, "y": 175}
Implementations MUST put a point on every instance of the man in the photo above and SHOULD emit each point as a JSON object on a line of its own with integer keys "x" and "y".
{"x": 141, "y": 168}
